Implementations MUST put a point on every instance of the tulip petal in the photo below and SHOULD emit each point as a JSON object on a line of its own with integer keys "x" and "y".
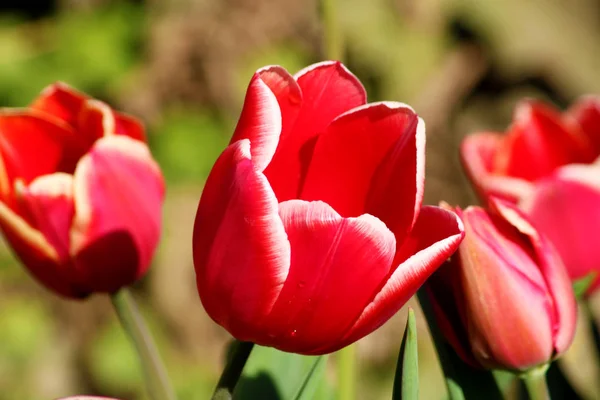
{"x": 325, "y": 247}
{"x": 127, "y": 125}
{"x": 241, "y": 252}
{"x": 32, "y": 145}
{"x": 262, "y": 118}
{"x": 478, "y": 152}
{"x": 435, "y": 237}
{"x": 372, "y": 160}
{"x": 328, "y": 90}
{"x": 61, "y": 101}
{"x": 36, "y": 254}
{"x": 554, "y": 273}
{"x": 96, "y": 119}
{"x": 118, "y": 192}
{"x": 539, "y": 142}
{"x": 447, "y": 299}
{"x": 49, "y": 202}
{"x": 586, "y": 113}
{"x": 67, "y": 104}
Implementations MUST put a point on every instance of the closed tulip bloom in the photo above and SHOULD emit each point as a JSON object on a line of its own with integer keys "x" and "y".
{"x": 545, "y": 163}
{"x": 504, "y": 300}
{"x": 310, "y": 232}
{"x": 80, "y": 195}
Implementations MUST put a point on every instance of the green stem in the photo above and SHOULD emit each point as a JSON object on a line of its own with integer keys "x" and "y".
{"x": 346, "y": 368}
{"x": 535, "y": 382}
{"x": 233, "y": 370}
{"x": 331, "y": 31}
{"x": 157, "y": 381}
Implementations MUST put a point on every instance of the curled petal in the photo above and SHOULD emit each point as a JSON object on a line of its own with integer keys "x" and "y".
{"x": 478, "y": 152}
{"x": 261, "y": 119}
{"x": 241, "y": 251}
{"x": 118, "y": 192}
{"x": 325, "y": 248}
{"x": 328, "y": 90}
{"x": 554, "y": 273}
{"x": 371, "y": 160}
{"x": 435, "y": 236}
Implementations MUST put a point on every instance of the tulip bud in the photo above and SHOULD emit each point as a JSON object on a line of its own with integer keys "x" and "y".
{"x": 504, "y": 300}
{"x": 80, "y": 195}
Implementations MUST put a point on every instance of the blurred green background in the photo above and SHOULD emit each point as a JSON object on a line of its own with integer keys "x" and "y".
{"x": 182, "y": 66}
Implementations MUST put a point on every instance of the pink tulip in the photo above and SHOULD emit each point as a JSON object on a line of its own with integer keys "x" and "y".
{"x": 310, "y": 232}
{"x": 532, "y": 166}
{"x": 80, "y": 195}
{"x": 504, "y": 300}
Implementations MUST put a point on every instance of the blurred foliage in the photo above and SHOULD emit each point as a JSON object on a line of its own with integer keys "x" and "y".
{"x": 183, "y": 66}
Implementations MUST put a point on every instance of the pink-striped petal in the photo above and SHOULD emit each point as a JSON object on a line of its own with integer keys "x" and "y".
{"x": 328, "y": 90}
{"x": 478, "y": 152}
{"x": 554, "y": 273}
{"x": 336, "y": 267}
{"x": 372, "y": 160}
{"x": 241, "y": 251}
{"x": 118, "y": 192}
{"x": 435, "y": 237}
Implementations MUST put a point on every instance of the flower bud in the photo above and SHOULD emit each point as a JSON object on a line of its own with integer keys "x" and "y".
{"x": 504, "y": 300}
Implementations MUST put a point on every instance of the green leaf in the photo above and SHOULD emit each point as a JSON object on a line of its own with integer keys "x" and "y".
{"x": 406, "y": 382}
{"x": 581, "y": 286}
{"x": 463, "y": 381}
{"x": 272, "y": 374}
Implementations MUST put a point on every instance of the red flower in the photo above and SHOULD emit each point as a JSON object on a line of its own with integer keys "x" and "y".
{"x": 310, "y": 232}
{"x": 532, "y": 166}
{"x": 504, "y": 300}
{"x": 80, "y": 195}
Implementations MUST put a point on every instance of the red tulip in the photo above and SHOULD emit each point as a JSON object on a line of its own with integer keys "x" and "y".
{"x": 310, "y": 232}
{"x": 504, "y": 300}
{"x": 80, "y": 195}
{"x": 531, "y": 166}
